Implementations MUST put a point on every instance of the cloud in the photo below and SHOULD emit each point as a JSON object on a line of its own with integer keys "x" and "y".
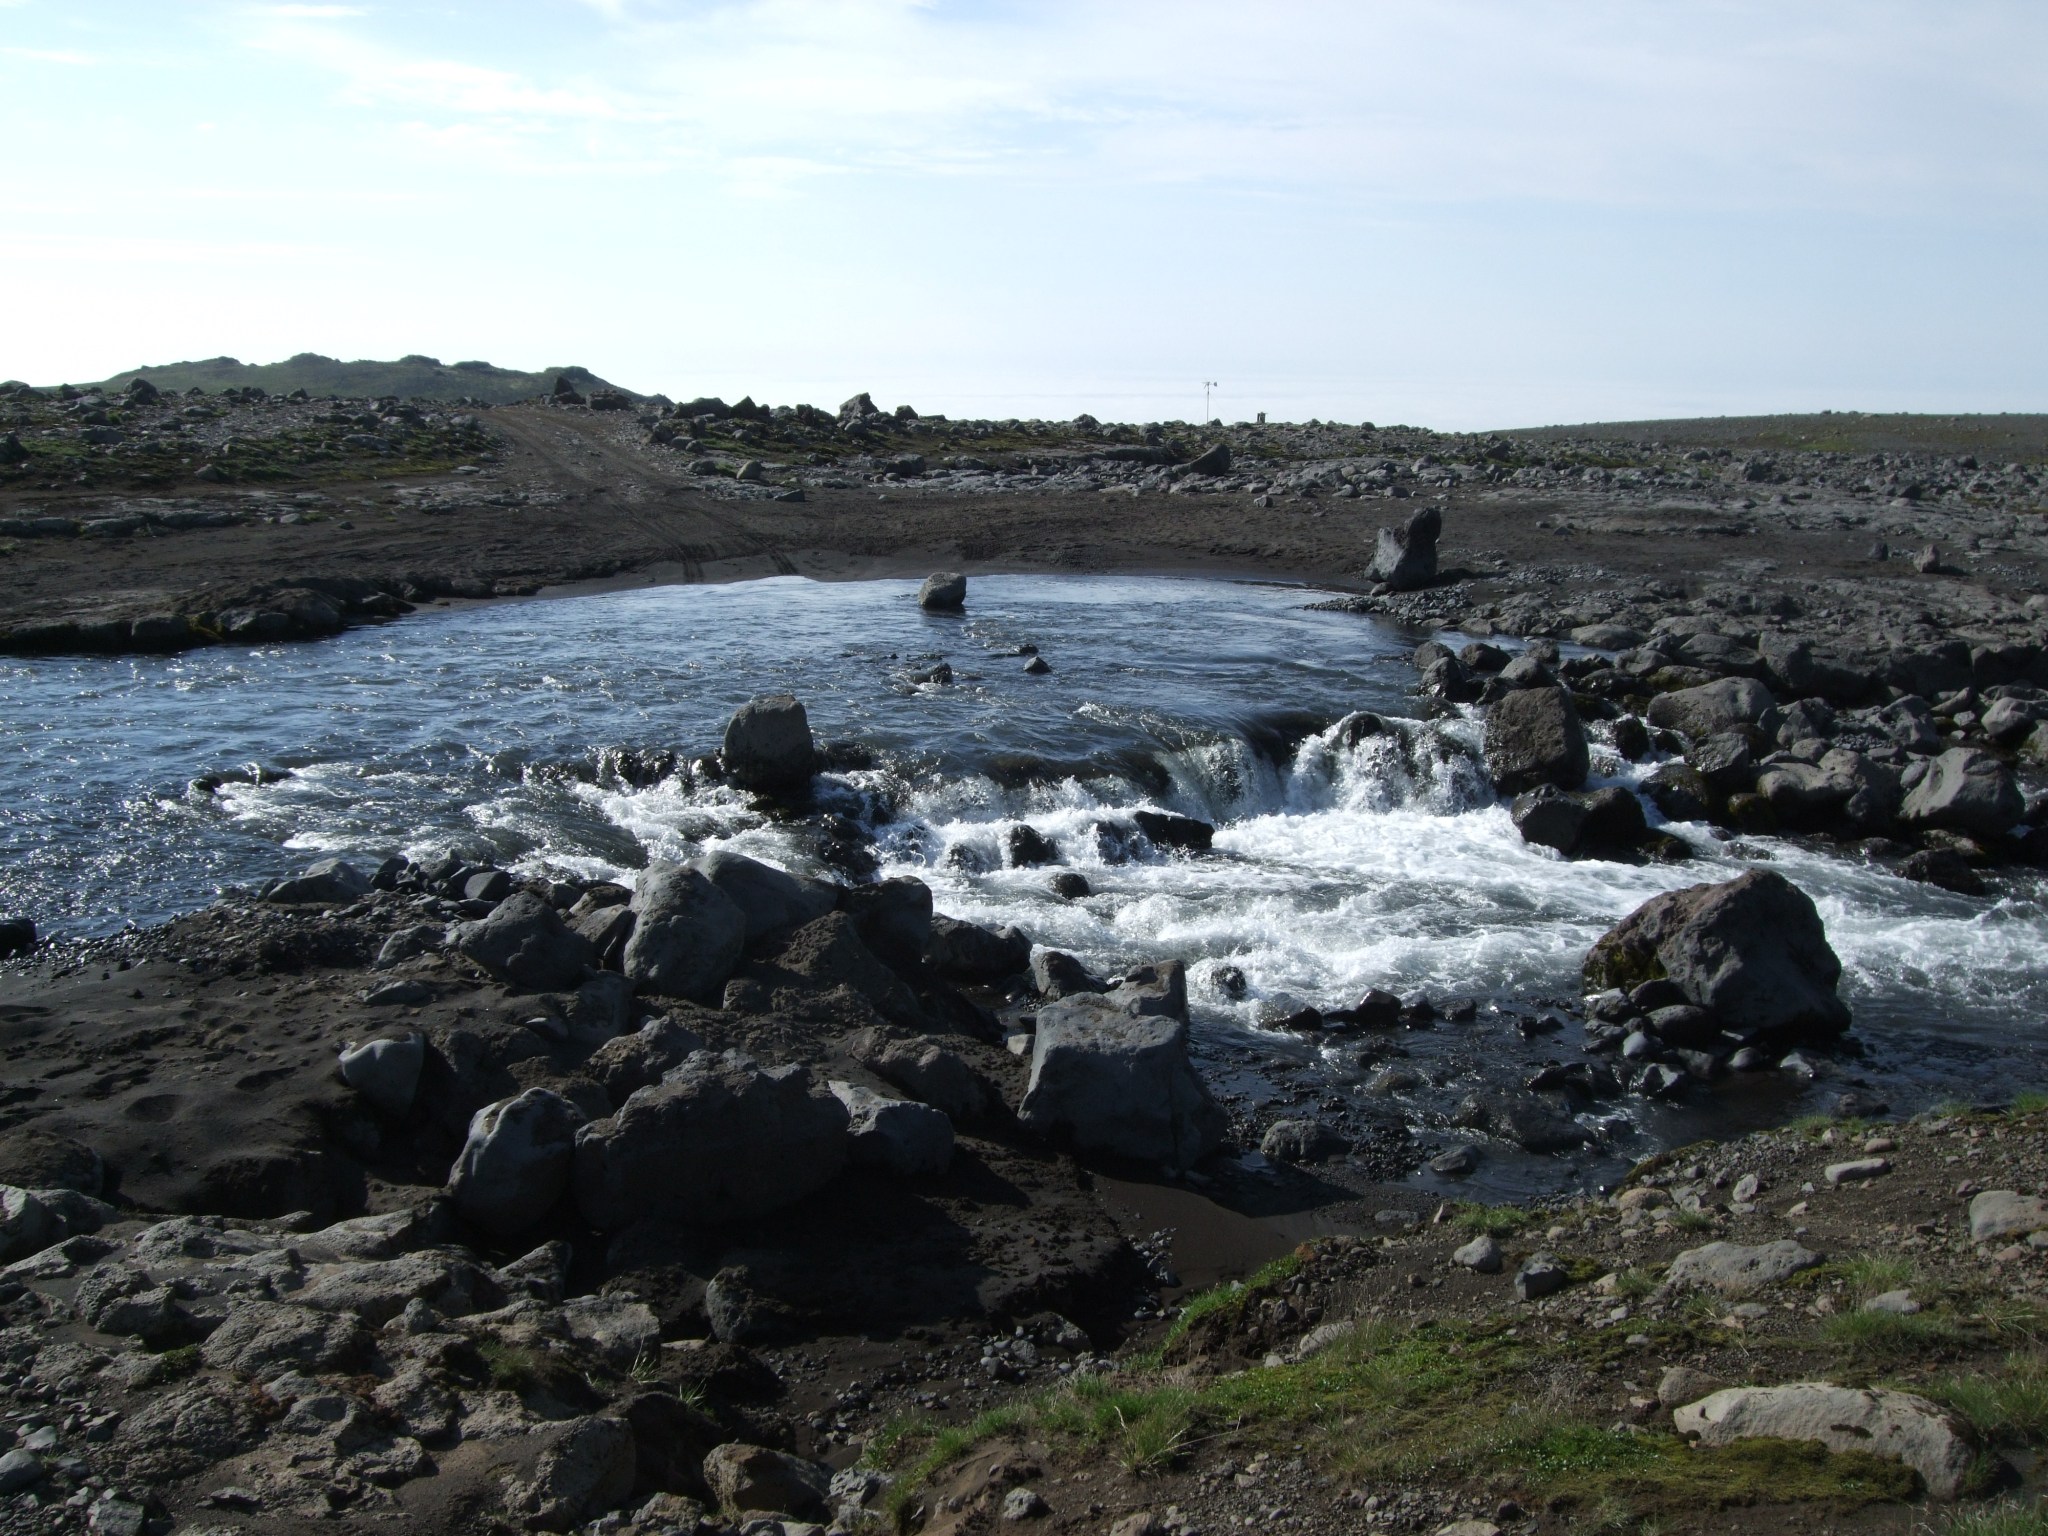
{"x": 47, "y": 55}
{"x": 1737, "y": 105}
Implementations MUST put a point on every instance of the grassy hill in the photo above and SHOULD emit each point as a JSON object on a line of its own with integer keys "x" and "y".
{"x": 413, "y": 377}
{"x": 1994, "y": 439}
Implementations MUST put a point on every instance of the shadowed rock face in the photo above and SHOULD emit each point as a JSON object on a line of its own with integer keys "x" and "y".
{"x": 1753, "y": 950}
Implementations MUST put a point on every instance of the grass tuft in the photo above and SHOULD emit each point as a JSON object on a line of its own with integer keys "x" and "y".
{"x": 2008, "y": 1406}
{"x": 1999, "y": 1520}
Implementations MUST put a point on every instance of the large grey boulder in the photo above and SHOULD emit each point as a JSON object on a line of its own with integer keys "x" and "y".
{"x": 263, "y": 1339}
{"x": 515, "y": 1163}
{"x": 1533, "y": 736}
{"x": 586, "y": 1469}
{"x": 897, "y": 1136}
{"x": 1705, "y": 711}
{"x": 743, "y": 1477}
{"x": 330, "y": 880}
{"x": 525, "y": 942}
{"x": 386, "y": 1072}
{"x": 771, "y": 900}
{"x": 687, "y": 933}
{"x": 718, "y": 1139}
{"x": 2000, "y": 1213}
{"x": 944, "y": 592}
{"x": 27, "y": 1224}
{"x": 1111, "y": 1072}
{"x": 627, "y": 1063}
{"x": 1965, "y": 790}
{"x": 768, "y": 745}
{"x": 1752, "y": 949}
{"x": 1405, "y": 557}
{"x": 1736, "y": 1270}
{"x": 1897, "y": 1426}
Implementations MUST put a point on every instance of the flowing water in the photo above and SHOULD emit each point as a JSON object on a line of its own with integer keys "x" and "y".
{"x": 1340, "y": 863}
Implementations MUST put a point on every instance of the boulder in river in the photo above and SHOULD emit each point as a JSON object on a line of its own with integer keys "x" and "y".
{"x": 943, "y": 592}
{"x": 964, "y": 951}
{"x": 1112, "y": 1073}
{"x": 1752, "y": 949}
{"x": 1533, "y": 736}
{"x": 687, "y": 933}
{"x": 1405, "y": 557}
{"x": 515, "y": 1163}
{"x": 524, "y": 941}
{"x": 768, "y": 745}
{"x": 1965, "y": 790}
{"x": 718, "y": 1139}
{"x": 17, "y": 936}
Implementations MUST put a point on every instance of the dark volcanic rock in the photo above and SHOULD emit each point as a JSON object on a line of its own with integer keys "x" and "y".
{"x": 526, "y": 943}
{"x": 719, "y": 1139}
{"x": 1533, "y": 736}
{"x": 1965, "y": 790}
{"x": 1753, "y": 950}
{"x": 687, "y": 934}
{"x": 768, "y": 745}
{"x": 1405, "y": 557}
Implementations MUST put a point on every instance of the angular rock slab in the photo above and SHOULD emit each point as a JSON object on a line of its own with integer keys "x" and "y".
{"x": 1736, "y": 1270}
{"x": 1112, "y": 1073}
{"x": 897, "y": 1136}
{"x": 1897, "y": 1426}
{"x": 718, "y": 1139}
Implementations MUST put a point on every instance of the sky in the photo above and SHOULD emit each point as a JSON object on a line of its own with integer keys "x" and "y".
{"x": 1454, "y": 213}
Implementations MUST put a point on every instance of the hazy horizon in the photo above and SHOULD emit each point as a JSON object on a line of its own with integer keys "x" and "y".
{"x": 1469, "y": 215}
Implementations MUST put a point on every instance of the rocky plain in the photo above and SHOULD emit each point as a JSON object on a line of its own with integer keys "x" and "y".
{"x": 434, "y": 1195}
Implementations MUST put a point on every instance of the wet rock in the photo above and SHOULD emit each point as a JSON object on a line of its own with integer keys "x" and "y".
{"x": 525, "y": 942}
{"x": 329, "y": 880}
{"x": 893, "y": 918}
{"x": 718, "y": 1139}
{"x": 1737, "y": 1270}
{"x": 17, "y": 936}
{"x": 385, "y": 1072}
{"x": 1113, "y": 1074}
{"x": 1405, "y": 557}
{"x": 1680, "y": 792}
{"x": 1753, "y": 950}
{"x": 1302, "y": 1141}
{"x": 1165, "y": 830}
{"x": 1965, "y": 790}
{"x": 586, "y": 1469}
{"x": 1533, "y": 736}
{"x": 1711, "y": 708}
{"x": 515, "y": 1164}
{"x": 687, "y": 933}
{"x": 744, "y": 1477}
{"x": 768, "y": 745}
{"x": 897, "y": 1136}
{"x": 1070, "y": 885}
{"x": 1897, "y": 1426}
{"x": 1027, "y": 846}
{"x": 964, "y": 951}
{"x": 1684, "y": 1025}
{"x": 1457, "y": 1162}
{"x": 943, "y": 592}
